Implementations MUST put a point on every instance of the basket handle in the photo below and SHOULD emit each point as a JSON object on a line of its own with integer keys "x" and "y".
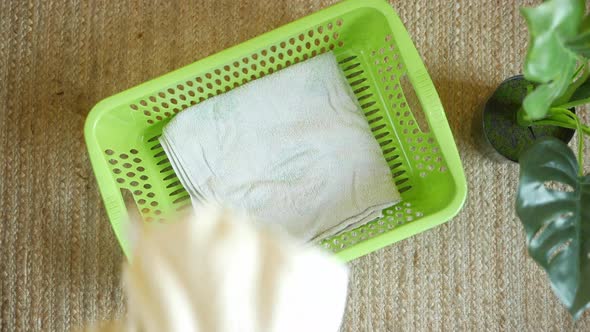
{"x": 118, "y": 214}
{"x": 112, "y": 197}
{"x": 428, "y": 97}
{"x": 417, "y": 74}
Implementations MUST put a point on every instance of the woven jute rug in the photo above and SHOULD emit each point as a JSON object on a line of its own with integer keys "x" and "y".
{"x": 59, "y": 260}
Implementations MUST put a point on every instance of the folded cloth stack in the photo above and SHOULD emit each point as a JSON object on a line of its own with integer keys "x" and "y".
{"x": 291, "y": 149}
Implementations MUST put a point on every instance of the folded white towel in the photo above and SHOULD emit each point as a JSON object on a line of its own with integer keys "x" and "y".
{"x": 291, "y": 149}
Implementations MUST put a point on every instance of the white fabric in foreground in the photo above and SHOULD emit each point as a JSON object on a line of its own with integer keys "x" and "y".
{"x": 291, "y": 149}
{"x": 218, "y": 273}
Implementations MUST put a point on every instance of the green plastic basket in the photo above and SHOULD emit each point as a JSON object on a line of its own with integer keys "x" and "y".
{"x": 386, "y": 74}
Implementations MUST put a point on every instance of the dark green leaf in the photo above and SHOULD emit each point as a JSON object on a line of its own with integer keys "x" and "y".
{"x": 585, "y": 26}
{"x": 582, "y": 92}
{"x": 549, "y": 62}
{"x": 557, "y": 222}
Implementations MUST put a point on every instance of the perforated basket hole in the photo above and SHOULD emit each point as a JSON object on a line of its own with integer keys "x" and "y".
{"x": 127, "y": 172}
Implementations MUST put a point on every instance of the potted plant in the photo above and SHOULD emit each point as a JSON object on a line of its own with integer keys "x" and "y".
{"x": 530, "y": 118}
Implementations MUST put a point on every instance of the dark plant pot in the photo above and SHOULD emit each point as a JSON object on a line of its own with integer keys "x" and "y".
{"x": 496, "y": 130}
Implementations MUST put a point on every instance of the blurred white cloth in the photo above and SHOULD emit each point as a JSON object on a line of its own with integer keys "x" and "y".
{"x": 218, "y": 273}
{"x": 292, "y": 148}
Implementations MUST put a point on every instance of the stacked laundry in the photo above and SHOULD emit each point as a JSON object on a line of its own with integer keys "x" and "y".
{"x": 291, "y": 149}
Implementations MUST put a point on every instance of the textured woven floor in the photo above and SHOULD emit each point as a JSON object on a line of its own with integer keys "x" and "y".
{"x": 59, "y": 260}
